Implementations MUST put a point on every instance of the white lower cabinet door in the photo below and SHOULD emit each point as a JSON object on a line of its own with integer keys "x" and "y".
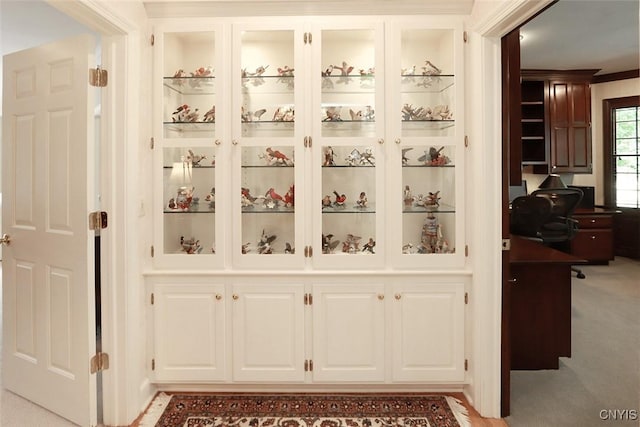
{"x": 189, "y": 332}
{"x": 348, "y": 332}
{"x": 428, "y": 332}
{"x": 268, "y": 332}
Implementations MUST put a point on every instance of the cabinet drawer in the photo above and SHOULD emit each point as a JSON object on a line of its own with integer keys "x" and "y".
{"x": 593, "y": 245}
{"x": 595, "y": 221}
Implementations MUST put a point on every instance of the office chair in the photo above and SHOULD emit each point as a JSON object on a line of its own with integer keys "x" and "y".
{"x": 560, "y": 227}
{"x": 528, "y": 215}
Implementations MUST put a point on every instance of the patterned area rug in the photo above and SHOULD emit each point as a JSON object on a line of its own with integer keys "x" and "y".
{"x": 305, "y": 410}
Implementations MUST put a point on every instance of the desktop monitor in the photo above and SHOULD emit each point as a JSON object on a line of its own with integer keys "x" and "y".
{"x": 517, "y": 190}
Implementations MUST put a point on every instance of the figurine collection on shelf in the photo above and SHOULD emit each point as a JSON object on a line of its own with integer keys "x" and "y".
{"x": 334, "y": 114}
{"x": 431, "y": 239}
{"x": 439, "y": 112}
{"x": 426, "y": 78}
{"x": 430, "y": 202}
{"x": 190, "y": 246}
{"x": 264, "y": 245}
{"x": 350, "y": 245}
{"x": 431, "y": 157}
{"x": 344, "y": 75}
{"x": 270, "y": 200}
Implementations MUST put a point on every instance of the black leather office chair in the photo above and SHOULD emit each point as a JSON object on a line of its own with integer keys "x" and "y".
{"x": 528, "y": 215}
{"x": 560, "y": 227}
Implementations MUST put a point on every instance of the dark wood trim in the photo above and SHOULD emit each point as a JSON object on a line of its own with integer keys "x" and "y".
{"x": 572, "y": 75}
{"x": 608, "y": 105}
{"x": 623, "y": 75}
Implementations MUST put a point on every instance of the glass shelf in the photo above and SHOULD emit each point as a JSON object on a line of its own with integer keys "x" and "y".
{"x": 442, "y": 209}
{"x": 257, "y": 209}
{"x": 191, "y": 85}
{"x": 348, "y": 84}
{"x": 418, "y": 83}
{"x": 348, "y": 210}
{"x": 196, "y": 208}
{"x": 268, "y": 84}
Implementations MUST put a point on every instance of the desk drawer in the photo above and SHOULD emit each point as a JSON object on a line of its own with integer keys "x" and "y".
{"x": 593, "y": 245}
{"x": 594, "y": 221}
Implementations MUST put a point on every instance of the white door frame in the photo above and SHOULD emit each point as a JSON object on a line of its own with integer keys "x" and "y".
{"x": 123, "y": 27}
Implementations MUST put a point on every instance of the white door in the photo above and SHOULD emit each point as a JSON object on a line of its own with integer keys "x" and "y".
{"x": 48, "y": 314}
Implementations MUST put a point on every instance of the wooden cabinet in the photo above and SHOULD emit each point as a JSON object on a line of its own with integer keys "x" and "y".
{"x": 594, "y": 240}
{"x": 556, "y": 121}
{"x": 189, "y": 332}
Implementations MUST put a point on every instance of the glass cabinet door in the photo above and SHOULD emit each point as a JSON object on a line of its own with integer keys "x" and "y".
{"x": 348, "y": 145}
{"x": 426, "y": 193}
{"x": 267, "y": 129}
{"x": 188, "y": 147}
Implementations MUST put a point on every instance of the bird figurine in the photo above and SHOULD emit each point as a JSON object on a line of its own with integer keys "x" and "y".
{"x": 288, "y": 249}
{"x": 285, "y": 71}
{"x": 340, "y": 199}
{"x": 195, "y": 159}
{"x": 345, "y": 69}
{"x": 368, "y": 247}
{"x": 289, "y": 197}
{"x": 210, "y": 116}
{"x": 405, "y": 159}
{"x": 327, "y": 72}
{"x": 356, "y": 115}
{"x": 278, "y": 157}
{"x": 179, "y": 114}
{"x": 271, "y": 194}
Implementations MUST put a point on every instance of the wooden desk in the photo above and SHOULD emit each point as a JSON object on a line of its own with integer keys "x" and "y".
{"x": 594, "y": 240}
{"x": 540, "y": 318}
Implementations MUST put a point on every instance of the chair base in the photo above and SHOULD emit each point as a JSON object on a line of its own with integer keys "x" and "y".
{"x": 579, "y": 273}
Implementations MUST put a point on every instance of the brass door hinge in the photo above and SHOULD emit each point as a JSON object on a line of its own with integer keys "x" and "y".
{"x": 466, "y": 364}
{"x": 308, "y": 365}
{"x": 506, "y": 244}
{"x": 153, "y": 39}
{"x": 466, "y": 250}
{"x": 97, "y": 220}
{"x": 98, "y": 77}
{"x": 465, "y": 36}
{"x": 153, "y": 251}
{"x": 466, "y": 141}
{"x": 153, "y": 364}
{"x": 153, "y": 298}
{"x": 99, "y": 362}
{"x": 466, "y": 297}
{"x": 152, "y": 143}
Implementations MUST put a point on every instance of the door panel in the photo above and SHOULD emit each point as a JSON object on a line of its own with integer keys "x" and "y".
{"x": 47, "y": 281}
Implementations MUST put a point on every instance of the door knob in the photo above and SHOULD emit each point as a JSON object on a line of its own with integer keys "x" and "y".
{"x": 5, "y": 240}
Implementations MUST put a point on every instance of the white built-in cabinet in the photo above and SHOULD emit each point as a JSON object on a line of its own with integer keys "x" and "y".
{"x": 308, "y": 201}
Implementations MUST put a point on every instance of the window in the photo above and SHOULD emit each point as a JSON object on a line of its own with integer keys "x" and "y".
{"x": 622, "y": 151}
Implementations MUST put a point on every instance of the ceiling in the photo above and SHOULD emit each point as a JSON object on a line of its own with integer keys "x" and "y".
{"x": 583, "y": 34}
{"x": 571, "y": 34}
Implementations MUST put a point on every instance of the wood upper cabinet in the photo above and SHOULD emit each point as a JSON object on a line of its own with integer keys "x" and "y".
{"x": 570, "y": 126}
{"x": 556, "y": 121}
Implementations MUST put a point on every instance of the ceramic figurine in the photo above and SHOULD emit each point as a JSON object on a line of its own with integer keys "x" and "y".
{"x": 442, "y": 112}
{"x": 277, "y": 157}
{"x": 190, "y": 246}
{"x": 356, "y": 116}
{"x": 367, "y": 73}
{"x": 327, "y": 72}
{"x": 329, "y": 245}
{"x": 264, "y": 245}
{"x": 180, "y": 113}
{"x": 271, "y": 195}
{"x": 329, "y": 157}
{"x": 340, "y": 199}
{"x": 246, "y": 248}
{"x": 430, "y": 202}
{"x": 172, "y": 203}
{"x": 408, "y": 71}
{"x": 434, "y": 157}
{"x": 345, "y": 69}
{"x": 194, "y": 159}
{"x": 368, "y": 247}
{"x": 326, "y": 202}
{"x": 407, "y": 196}
{"x": 184, "y": 198}
{"x": 203, "y": 72}
{"x": 354, "y": 157}
{"x": 211, "y": 198}
{"x": 405, "y": 159}
{"x": 430, "y": 70}
{"x": 210, "y": 116}
{"x": 333, "y": 114}
{"x": 289, "y": 197}
{"x": 362, "y": 201}
{"x": 352, "y": 244}
{"x": 288, "y": 249}
{"x": 285, "y": 71}
{"x": 369, "y": 114}
{"x": 367, "y": 157}
{"x": 191, "y": 116}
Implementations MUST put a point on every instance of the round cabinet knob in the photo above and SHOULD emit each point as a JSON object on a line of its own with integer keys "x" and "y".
{"x": 593, "y": 221}
{"x": 380, "y": 297}
{"x": 5, "y": 240}
{"x": 593, "y": 237}
{"x": 398, "y": 296}
{"x": 235, "y": 296}
{"x": 381, "y": 141}
{"x": 234, "y": 141}
{"x": 218, "y": 297}
{"x": 217, "y": 142}
{"x": 514, "y": 281}
{"x": 398, "y": 141}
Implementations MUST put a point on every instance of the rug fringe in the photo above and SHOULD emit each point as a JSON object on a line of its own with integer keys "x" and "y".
{"x": 155, "y": 411}
{"x": 459, "y": 411}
